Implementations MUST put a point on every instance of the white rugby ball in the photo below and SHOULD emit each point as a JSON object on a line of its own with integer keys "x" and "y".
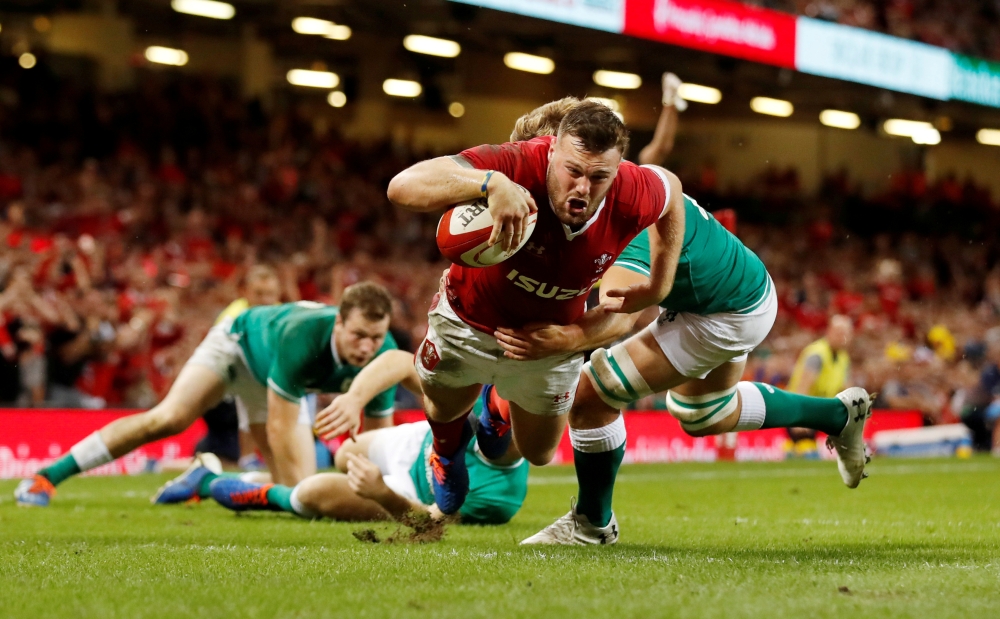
{"x": 464, "y": 231}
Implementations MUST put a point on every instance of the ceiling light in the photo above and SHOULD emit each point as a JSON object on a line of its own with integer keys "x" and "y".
{"x": 339, "y": 33}
{"x": 456, "y": 109}
{"x": 926, "y": 136}
{"x": 699, "y": 93}
{"x": 166, "y": 55}
{"x": 840, "y": 119}
{"x": 402, "y": 88}
{"x": 313, "y": 79}
{"x": 611, "y": 103}
{"x": 529, "y": 63}
{"x": 27, "y": 60}
{"x": 337, "y": 99}
{"x": 204, "y": 8}
{"x": 989, "y": 137}
{"x": 311, "y": 25}
{"x": 431, "y": 46}
{"x": 771, "y": 107}
{"x": 614, "y": 79}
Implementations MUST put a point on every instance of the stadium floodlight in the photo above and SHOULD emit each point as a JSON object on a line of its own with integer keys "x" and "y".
{"x": 840, "y": 119}
{"x": 772, "y": 107}
{"x": 27, "y": 60}
{"x": 988, "y": 137}
{"x": 420, "y": 44}
{"x": 339, "y": 32}
{"x": 336, "y": 99}
{"x": 204, "y": 8}
{"x": 166, "y": 55}
{"x": 617, "y": 79}
{"x": 699, "y": 93}
{"x": 313, "y": 79}
{"x": 456, "y": 109}
{"x": 312, "y": 25}
{"x": 529, "y": 63}
{"x": 402, "y": 88}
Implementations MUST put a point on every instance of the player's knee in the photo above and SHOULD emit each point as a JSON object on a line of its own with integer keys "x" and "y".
{"x": 615, "y": 378}
{"x": 702, "y": 415}
{"x": 164, "y": 422}
{"x": 540, "y": 458}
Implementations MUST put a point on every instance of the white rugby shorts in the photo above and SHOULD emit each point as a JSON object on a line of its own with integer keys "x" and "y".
{"x": 394, "y": 451}
{"x": 220, "y": 351}
{"x": 696, "y": 345}
{"x": 453, "y": 354}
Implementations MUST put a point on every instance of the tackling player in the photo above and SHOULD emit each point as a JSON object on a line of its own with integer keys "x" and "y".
{"x": 268, "y": 357}
{"x": 384, "y": 473}
{"x": 721, "y": 306}
{"x": 594, "y": 204}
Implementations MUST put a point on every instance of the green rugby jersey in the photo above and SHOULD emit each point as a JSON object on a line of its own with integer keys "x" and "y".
{"x": 716, "y": 272}
{"x": 496, "y": 492}
{"x": 290, "y": 349}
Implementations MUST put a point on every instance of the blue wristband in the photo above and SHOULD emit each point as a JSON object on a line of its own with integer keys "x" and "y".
{"x": 486, "y": 181}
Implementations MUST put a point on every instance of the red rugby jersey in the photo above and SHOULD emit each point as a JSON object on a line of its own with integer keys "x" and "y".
{"x": 549, "y": 278}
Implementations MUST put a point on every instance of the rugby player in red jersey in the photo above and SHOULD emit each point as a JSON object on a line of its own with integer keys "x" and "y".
{"x": 596, "y": 204}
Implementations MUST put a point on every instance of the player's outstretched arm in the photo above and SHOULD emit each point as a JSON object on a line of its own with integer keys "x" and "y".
{"x": 598, "y": 327}
{"x": 439, "y": 183}
{"x": 666, "y": 237}
{"x": 383, "y": 372}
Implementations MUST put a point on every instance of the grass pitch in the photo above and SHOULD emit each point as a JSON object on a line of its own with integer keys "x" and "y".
{"x": 917, "y": 539}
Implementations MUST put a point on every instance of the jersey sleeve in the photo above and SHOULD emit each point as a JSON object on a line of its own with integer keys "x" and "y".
{"x": 652, "y": 193}
{"x": 495, "y": 494}
{"x": 505, "y": 158}
{"x": 384, "y": 404}
{"x": 635, "y": 257}
{"x": 299, "y": 347}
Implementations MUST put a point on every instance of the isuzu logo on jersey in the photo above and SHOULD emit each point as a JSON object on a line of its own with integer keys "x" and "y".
{"x": 543, "y": 289}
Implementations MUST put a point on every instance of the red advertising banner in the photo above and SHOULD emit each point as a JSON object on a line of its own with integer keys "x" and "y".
{"x": 716, "y": 26}
{"x": 32, "y": 438}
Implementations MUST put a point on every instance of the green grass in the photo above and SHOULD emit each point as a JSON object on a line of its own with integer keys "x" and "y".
{"x": 918, "y": 539}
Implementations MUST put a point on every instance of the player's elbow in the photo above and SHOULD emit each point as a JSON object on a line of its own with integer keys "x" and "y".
{"x": 404, "y": 192}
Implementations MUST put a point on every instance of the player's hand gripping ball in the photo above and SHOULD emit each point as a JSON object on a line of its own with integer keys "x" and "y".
{"x": 463, "y": 235}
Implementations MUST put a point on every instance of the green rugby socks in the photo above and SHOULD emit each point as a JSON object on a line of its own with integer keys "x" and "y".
{"x": 89, "y": 453}
{"x": 774, "y": 408}
{"x": 597, "y": 454}
{"x": 281, "y": 497}
{"x": 60, "y": 470}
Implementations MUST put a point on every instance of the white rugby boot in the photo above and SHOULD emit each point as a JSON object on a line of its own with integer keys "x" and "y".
{"x": 671, "y": 97}
{"x": 850, "y": 445}
{"x": 575, "y": 529}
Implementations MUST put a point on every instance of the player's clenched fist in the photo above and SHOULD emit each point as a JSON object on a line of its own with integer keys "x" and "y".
{"x": 365, "y": 478}
{"x": 343, "y": 415}
{"x": 510, "y": 206}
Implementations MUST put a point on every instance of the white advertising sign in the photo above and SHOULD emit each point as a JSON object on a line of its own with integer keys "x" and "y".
{"x": 598, "y": 14}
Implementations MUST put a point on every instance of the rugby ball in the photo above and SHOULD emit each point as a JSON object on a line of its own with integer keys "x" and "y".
{"x": 464, "y": 231}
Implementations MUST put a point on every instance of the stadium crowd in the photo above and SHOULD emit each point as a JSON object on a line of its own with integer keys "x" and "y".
{"x": 965, "y": 26}
{"x": 125, "y": 233}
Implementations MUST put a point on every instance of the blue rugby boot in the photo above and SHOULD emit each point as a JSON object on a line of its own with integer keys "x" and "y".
{"x": 493, "y": 430}
{"x": 450, "y": 477}
{"x": 34, "y": 492}
{"x": 185, "y": 487}
{"x": 240, "y": 496}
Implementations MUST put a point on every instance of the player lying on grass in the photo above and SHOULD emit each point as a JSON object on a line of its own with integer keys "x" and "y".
{"x": 721, "y": 306}
{"x": 267, "y": 357}
{"x": 384, "y": 473}
{"x": 594, "y": 203}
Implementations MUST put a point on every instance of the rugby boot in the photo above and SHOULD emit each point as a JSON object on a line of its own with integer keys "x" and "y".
{"x": 850, "y": 444}
{"x": 34, "y": 492}
{"x": 493, "y": 430}
{"x": 450, "y": 477}
{"x": 240, "y": 496}
{"x": 575, "y": 529}
{"x": 185, "y": 486}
